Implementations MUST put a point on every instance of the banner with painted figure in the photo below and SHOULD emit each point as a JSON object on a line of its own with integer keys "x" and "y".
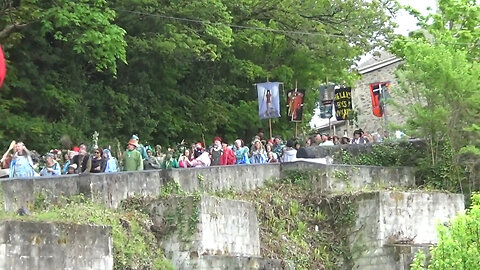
{"x": 327, "y": 93}
{"x": 343, "y": 102}
{"x": 3, "y": 68}
{"x": 295, "y": 105}
{"x": 268, "y": 100}
{"x": 379, "y": 94}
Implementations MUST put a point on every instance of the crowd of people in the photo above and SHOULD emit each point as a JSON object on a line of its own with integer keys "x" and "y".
{"x": 79, "y": 160}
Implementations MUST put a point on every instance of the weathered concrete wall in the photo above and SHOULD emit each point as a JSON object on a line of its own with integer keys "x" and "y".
{"x": 111, "y": 189}
{"x": 343, "y": 178}
{"x": 107, "y": 189}
{"x": 217, "y": 178}
{"x": 387, "y": 217}
{"x": 37, "y": 245}
{"x": 194, "y": 227}
{"x": 404, "y": 254}
{"x": 240, "y": 263}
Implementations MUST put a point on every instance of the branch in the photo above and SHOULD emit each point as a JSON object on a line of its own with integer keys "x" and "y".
{"x": 11, "y": 28}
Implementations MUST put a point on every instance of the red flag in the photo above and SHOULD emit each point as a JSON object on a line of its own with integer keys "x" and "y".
{"x": 3, "y": 68}
{"x": 377, "y": 92}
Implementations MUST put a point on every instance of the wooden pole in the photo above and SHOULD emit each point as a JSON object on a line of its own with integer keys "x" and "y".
{"x": 329, "y": 124}
{"x": 270, "y": 127}
{"x": 296, "y": 129}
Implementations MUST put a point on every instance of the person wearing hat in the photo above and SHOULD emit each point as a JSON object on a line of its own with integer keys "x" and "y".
{"x": 140, "y": 148}
{"x": 132, "y": 159}
{"x": 198, "y": 150}
{"x": 51, "y": 166}
{"x": 71, "y": 169}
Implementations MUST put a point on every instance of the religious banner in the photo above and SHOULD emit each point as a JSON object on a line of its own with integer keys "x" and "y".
{"x": 379, "y": 94}
{"x": 268, "y": 100}
{"x": 343, "y": 102}
{"x": 3, "y": 68}
{"x": 326, "y": 100}
{"x": 295, "y": 105}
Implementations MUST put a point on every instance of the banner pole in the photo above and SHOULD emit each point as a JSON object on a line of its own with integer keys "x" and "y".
{"x": 270, "y": 126}
{"x": 296, "y": 129}
{"x": 329, "y": 125}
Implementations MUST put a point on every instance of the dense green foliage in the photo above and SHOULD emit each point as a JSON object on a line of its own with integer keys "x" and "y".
{"x": 388, "y": 154}
{"x": 458, "y": 243}
{"x": 301, "y": 226}
{"x": 124, "y": 67}
{"x": 134, "y": 244}
{"x": 440, "y": 75}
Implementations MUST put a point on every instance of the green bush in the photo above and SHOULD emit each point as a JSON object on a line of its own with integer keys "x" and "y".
{"x": 458, "y": 243}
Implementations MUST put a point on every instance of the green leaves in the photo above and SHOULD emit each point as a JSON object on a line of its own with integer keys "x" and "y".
{"x": 191, "y": 64}
{"x": 458, "y": 242}
{"x": 88, "y": 25}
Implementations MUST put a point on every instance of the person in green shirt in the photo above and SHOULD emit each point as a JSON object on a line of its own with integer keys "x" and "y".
{"x": 169, "y": 161}
{"x": 132, "y": 158}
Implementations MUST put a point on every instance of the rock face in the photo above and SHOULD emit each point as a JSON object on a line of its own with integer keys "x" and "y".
{"x": 39, "y": 245}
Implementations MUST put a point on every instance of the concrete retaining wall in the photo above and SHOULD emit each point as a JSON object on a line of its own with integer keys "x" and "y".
{"x": 111, "y": 189}
{"x": 218, "y": 178}
{"x": 387, "y": 218}
{"x": 38, "y": 245}
{"x": 107, "y": 189}
{"x": 342, "y": 178}
{"x": 221, "y": 227}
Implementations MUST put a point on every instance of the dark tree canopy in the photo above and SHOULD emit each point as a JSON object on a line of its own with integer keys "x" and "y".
{"x": 168, "y": 70}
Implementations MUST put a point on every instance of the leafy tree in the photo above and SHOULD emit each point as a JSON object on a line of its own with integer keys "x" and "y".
{"x": 440, "y": 75}
{"x": 191, "y": 65}
{"x": 458, "y": 243}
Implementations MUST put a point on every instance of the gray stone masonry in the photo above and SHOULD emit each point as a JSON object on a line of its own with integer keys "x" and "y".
{"x": 203, "y": 232}
{"x": 41, "y": 245}
{"x": 362, "y": 101}
{"x": 385, "y": 219}
{"x": 111, "y": 189}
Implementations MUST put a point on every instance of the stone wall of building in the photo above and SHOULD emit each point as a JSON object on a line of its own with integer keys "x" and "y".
{"x": 362, "y": 101}
{"x": 40, "y": 245}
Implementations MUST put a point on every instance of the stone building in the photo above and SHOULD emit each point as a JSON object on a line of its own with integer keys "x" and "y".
{"x": 378, "y": 70}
